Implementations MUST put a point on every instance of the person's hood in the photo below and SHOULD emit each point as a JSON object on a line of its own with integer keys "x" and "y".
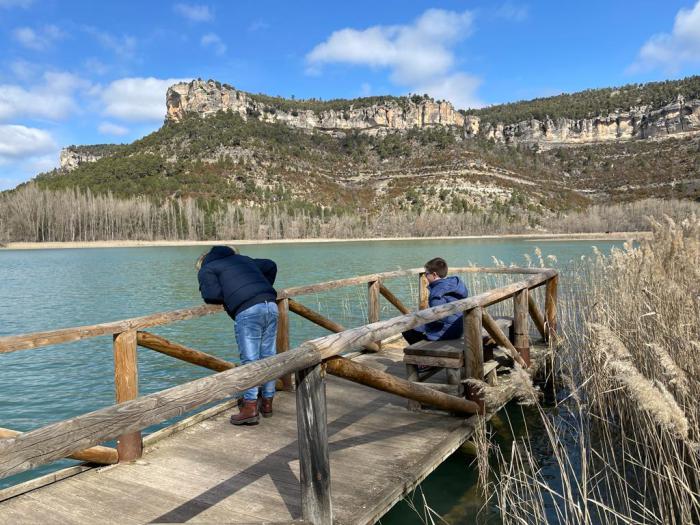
{"x": 218, "y": 252}
{"x": 449, "y": 285}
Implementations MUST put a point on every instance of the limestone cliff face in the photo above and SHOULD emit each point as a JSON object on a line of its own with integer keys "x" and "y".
{"x": 638, "y": 123}
{"x": 206, "y": 98}
{"x": 71, "y": 158}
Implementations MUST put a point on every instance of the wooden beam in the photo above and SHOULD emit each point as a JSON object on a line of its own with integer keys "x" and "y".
{"x": 368, "y": 376}
{"x": 314, "y": 463}
{"x": 536, "y": 315}
{"x": 340, "y": 283}
{"x": 422, "y": 291}
{"x": 99, "y": 455}
{"x": 520, "y": 325}
{"x": 126, "y": 386}
{"x": 283, "y": 338}
{"x": 501, "y": 339}
{"x": 373, "y": 305}
{"x": 550, "y": 307}
{"x": 178, "y": 351}
{"x": 393, "y": 299}
{"x": 316, "y": 318}
{"x": 473, "y": 353}
{"x": 59, "y": 440}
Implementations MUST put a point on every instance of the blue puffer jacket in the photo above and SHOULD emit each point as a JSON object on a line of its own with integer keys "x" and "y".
{"x": 236, "y": 281}
{"x": 443, "y": 291}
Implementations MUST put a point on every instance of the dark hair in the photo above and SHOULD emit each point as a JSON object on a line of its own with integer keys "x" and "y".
{"x": 438, "y": 266}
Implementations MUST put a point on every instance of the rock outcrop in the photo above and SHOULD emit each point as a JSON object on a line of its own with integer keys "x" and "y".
{"x": 72, "y": 157}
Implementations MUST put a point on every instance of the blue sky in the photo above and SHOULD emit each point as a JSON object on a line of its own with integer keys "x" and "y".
{"x": 79, "y": 72}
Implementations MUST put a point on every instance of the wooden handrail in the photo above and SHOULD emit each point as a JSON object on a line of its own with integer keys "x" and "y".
{"x": 99, "y": 454}
{"x": 14, "y": 343}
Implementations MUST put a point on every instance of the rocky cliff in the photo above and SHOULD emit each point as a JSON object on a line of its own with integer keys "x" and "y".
{"x": 403, "y": 113}
{"x": 72, "y": 157}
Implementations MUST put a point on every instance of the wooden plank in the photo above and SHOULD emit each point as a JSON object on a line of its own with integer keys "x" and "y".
{"x": 340, "y": 283}
{"x": 314, "y": 464}
{"x": 442, "y": 362}
{"x": 494, "y": 330}
{"x": 550, "y": 307}
{"x": 368, "y": 376}
{"x": 61, "y": 439}
{"x": 316, "y": 318}
{"x": 42, "y": 481}
{"x": 393, "y": 299}
{"x": 183, "y": 353}
{"x": 536, "y": 315}
{"x": 126, "y": 387}
{"x": 98, "y": 455}
{"x": 450, "y": 348}
{"x": 283, "y": 338}
{"x": 520, "y": 325}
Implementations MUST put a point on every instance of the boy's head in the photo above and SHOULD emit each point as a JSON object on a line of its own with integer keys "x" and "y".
{"x": 200, "y": 260}
{"x": 435, "y": 269}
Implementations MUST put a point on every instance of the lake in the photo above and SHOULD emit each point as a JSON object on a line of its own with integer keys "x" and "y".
{"x": 57, "y": 288}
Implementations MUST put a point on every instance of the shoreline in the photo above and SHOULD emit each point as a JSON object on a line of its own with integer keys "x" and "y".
{"x": 613, "y": 236}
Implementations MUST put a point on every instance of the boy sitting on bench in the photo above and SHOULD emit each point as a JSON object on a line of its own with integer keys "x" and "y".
{"x": 443, "y": 289}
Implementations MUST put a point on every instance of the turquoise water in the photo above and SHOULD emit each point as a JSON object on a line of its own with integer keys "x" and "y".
{"x": 48, "y": 289}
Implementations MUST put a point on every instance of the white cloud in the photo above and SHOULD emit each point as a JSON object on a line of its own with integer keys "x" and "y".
{"x": 194, "y": 12}
{"x": 214, "y": 41}
{"x": 53, "y": 99}
{"x": 671, "y": 51}
{"x": 258, "y": 25}
{"x": 38, "y": 39}
{"x": 109, "y": 128}
{"x": 460, "y": 89}
{"x": 512, "y": 12}
{"x": 419, "y": 54}
{"x": 123, "y": 46}
{"x": 20, "y": 141}
{"x": 137, "y": 99}
{"x": 15, "y": 3}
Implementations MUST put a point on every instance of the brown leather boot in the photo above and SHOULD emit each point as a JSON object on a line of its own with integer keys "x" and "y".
{"x": 247, "y": 415}
{"x": 266, "y": 408}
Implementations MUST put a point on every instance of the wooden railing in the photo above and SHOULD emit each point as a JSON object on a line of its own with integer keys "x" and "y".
{"x": 80, "y": 436}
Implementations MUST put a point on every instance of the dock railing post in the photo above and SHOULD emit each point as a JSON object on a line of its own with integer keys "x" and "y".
{"x": 373, "y": 303}
{"x": 520, "y": 325}
{"x": 550, "y": 307}
{"x": 283, "y": 338}
{"x": 314, "y": 463}
{"x": 422, "y": 291}
{"x": 126, "y": 386}
{"x": 473, "y": 353}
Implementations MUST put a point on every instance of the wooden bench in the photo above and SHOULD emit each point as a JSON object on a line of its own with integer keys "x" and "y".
{"x": 425, "y": 358}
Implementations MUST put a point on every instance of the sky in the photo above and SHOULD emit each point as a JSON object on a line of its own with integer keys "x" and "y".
{"x": 86, "y": 72}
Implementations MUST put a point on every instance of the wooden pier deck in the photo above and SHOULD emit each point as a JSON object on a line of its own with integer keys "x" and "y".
{"x": 335, "y": 451}
{"x": 214, "y": 472}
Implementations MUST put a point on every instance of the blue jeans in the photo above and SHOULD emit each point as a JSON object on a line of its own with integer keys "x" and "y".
{"x": 256, "y": 335}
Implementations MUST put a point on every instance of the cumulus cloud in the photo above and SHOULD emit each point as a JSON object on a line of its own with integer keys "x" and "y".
{"x": 194, "y": 12}
{"x": 18, "y": 142}
{"x": 213, "y": 41}
{"x": 136, "y": 99}
{"x": 52, "y": 99}
{"x": 459, "y": 88}
{"x": 109, "y": 128}
{"x": 38, "y": 39}
{"x": 419, "y": 54}
{"x": 671, "y": 51}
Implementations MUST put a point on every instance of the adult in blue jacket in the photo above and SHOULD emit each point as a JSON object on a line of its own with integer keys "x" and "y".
{"x": 442, "y": 289}
{"x": 244, "y": 287}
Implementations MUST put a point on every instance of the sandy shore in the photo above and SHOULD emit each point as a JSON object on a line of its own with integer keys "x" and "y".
{"x": 134, "y": 244}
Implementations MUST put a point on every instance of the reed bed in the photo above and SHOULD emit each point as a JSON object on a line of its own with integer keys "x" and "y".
{"x": 620, "y": 444}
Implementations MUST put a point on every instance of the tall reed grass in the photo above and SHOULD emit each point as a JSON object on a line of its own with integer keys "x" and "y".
{"x": 622, "y": 439}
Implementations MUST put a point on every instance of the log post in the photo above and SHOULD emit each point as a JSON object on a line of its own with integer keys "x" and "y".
{"x": 520, "y": 325}
{"x": 393, "y": 299}
{"x": 422, "y": 291}
{"x": 536, "y": 315}
{"x": 473, "y": 353}
{"x": 550, "y": 307}
{"x": 373, "y": 288}
{"x": 283, "y": 338}
{"x": 126, "y": 383}
{"x": 314, "y": 463}
{"x": 495, "y": 332}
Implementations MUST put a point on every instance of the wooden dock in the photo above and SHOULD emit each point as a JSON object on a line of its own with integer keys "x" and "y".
{"x": 335, "y": 450}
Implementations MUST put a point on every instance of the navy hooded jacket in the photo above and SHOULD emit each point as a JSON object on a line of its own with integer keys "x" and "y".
{"x": 236, "y": 281}
{"x": 443, "y": 291}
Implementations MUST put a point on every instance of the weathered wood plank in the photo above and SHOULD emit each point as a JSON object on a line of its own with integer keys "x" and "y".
{"x": 442, "y": 362}
{"x": 314, "y": 464}
{"x": 63, "y": 438}
{"x": 99, "y": 455}
{"x": 126, "y": 388}
{"x": 178, "y": 351}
